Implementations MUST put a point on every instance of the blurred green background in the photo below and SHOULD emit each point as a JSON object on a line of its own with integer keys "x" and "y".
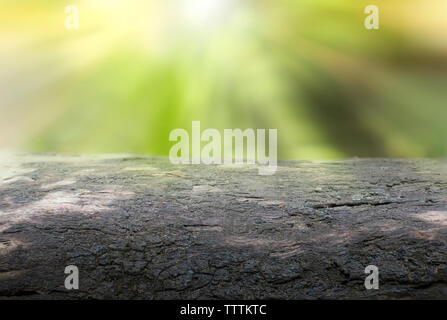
{"x": 137, "y": 69}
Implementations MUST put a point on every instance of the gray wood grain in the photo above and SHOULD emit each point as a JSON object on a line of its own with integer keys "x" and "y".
{"x": 139, "y": 227}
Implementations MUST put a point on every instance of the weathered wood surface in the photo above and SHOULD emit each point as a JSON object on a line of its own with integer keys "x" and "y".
{"x": 139, "y": 227}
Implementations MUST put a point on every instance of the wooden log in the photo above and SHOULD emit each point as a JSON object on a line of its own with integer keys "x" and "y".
{"x": 138, "y": 227}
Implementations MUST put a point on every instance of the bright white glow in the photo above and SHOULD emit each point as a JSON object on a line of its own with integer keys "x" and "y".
{"x": 205, "y": 12}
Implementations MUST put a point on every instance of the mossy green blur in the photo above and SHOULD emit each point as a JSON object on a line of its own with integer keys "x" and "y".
{"x": 135, "y": 70}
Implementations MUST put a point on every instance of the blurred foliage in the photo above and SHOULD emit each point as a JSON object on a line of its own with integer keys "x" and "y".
{"x": 135, "y": 70}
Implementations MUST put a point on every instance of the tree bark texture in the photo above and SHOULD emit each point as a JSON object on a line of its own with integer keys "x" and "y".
{"x": 138, "y": 227}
